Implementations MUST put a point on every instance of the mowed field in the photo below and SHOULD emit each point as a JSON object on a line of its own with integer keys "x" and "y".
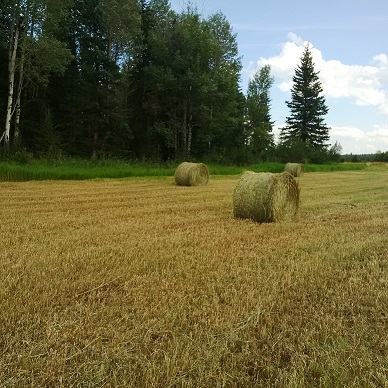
{"x": 141, "y": 283}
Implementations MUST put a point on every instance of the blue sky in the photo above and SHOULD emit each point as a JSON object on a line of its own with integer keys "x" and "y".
{"x": 349, "y": 40}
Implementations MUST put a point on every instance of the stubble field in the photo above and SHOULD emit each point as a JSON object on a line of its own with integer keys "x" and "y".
{"x": 140, "y": 283}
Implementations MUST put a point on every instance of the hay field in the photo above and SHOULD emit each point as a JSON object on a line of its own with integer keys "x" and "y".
{"x": 141, "y": 283}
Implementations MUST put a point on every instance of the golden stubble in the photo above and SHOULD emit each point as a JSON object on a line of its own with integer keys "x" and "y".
{"x": 144, "y": 283}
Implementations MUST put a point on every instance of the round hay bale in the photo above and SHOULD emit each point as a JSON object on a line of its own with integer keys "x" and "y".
{"x": 295, "y": 169}
{"x": 191, "y": 174}
{"x": 266, "y": 197}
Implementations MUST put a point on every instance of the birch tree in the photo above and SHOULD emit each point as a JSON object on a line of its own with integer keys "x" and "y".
{"x": 13, "y": 9}
{"x": 33, "y": 52}
{"x": 258, "y": 120}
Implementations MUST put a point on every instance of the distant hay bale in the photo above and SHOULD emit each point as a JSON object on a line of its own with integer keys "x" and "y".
{"x": 266, "y": 197}
{"x": 369, "y": 164}
{"x": 191, "y": 174}
{"x": 295, "y": 169}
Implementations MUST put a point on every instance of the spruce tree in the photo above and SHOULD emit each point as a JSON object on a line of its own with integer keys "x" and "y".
{"x": 307, "y": 108}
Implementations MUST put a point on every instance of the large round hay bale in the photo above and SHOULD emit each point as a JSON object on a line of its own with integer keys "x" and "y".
{"x": 266, "y": 197}
{"x": 191, "y": 174}
{"x": 295, "y": 169}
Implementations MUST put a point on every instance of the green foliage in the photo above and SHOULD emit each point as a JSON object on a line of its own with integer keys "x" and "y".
{"x": 298, "y": 151}
{"x": 47, "y": 138}
{"x": 307, "y": 107}
{"x": 134, "y": 80}
{"x": 334, "y": 167}
{"x": 22, "y": 167}
{"x": 185, "y": 95}
{"x": 28, "y": 30}
{"x": 258, "y": 123}
{"x": 47, "y": 56}
{"x": 22, "y": 157}
{"x": 78, "y": 170}
{"x": 335, "y": 152}
{"x": 381, "y": 157}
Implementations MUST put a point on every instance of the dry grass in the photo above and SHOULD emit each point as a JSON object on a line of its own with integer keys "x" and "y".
{"x": 191, "y": 174}
{"x": 295, "y": 169}
{"x": 117, "y": 283}
{"x": 266, "y": 197}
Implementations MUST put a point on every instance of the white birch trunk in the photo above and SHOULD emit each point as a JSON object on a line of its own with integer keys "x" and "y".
{"x": 12, "y": 50}
{"x": 20, "y": 85}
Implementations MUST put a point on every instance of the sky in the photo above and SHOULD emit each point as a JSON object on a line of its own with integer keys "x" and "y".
{"x": 349, "y": 41}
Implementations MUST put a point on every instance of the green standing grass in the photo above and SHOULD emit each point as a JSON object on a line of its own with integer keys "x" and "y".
{"x": 83, "y": 169}
{"x": 78, "y": 171}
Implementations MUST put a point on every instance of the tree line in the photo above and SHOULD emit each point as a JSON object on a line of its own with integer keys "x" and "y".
{"x": 133, "y": 79}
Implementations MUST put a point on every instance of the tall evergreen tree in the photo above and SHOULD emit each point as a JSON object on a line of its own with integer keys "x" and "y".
{"x": 90, "y": 99}
{"x": 307, "y": 106}
{"x": 121, "y": 77}
{"x": 225, "y": 104}
{"x": 258, "y": 121}
{"x": 145, "y": 75}
{"x": 184, "y": 97}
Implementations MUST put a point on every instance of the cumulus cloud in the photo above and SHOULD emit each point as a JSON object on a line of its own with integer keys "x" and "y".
{"x": 354, "y": 140}
{"x": 381, "y": 59}
{"x": 348, "y": 131}
{"x": 378, "y": 137}
{"x": 296, "y": 39}
{"x": 349, "y": 84}
{"x": 361, "y": 85}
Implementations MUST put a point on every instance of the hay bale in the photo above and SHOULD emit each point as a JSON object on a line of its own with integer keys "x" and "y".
{"x": 191, "y": 174}
{"x": 295, "y": 169}
{"x": 266, "y": 197}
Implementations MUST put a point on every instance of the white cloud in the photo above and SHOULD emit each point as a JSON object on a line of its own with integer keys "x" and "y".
{"x": 381, "y": 59}
{"x": 348, "y": 86}
{"x": 347, "y": 131}
{"x": 354, "y": 140}
{"x": 362, "y": 85}
{"x": 296, "y": 39}
{"x": 379, "y": 137}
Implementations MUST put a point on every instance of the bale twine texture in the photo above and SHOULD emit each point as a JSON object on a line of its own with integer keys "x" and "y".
{"x": 266, "y": 197}
{"x": 295, "y": 169}
{"x": 191, "y": 174}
